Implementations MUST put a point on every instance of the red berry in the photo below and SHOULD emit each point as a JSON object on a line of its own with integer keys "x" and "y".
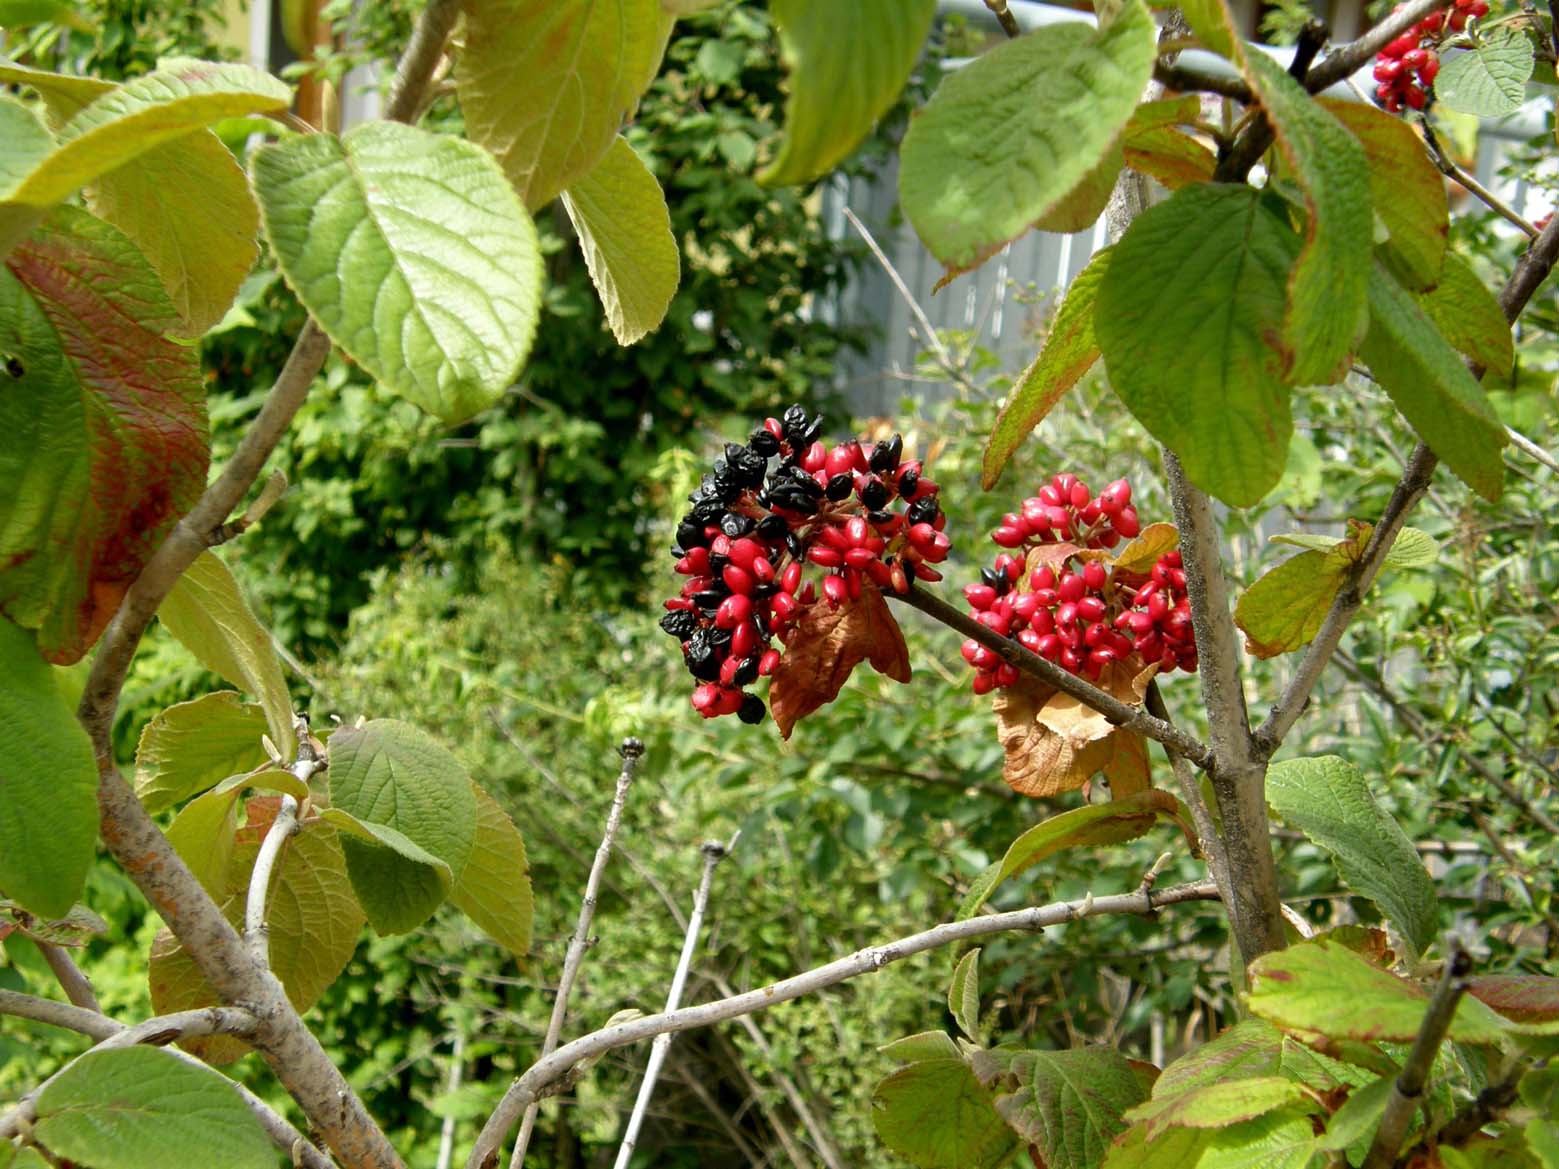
{"x": 1125, "y": 522}
{"x": 1429, "y": 70}
{"x": 980, "y": 596}
{"x": 835, "y": 589}
{"x": 1094, "y": 575}
{"x": 1416, "y": 97}
{"x": 1387, "y": 69}
{"x": 1405, "y": 43}
{"x": 768, "y": 663}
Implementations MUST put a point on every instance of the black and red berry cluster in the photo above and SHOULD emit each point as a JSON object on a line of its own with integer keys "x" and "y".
{"x": 770, "y": 509}
{"x": 1076, "y": 609}
{"x": 1406, "y": 68}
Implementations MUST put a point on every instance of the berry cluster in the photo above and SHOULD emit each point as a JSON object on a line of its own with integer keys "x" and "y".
{"x": 1406, "y": 68}
{"x": 1077, "y": 609}
{"x": 767, "y": 511}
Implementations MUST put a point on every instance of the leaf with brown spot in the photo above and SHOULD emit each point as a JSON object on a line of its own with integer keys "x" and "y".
{"x": 1519, "y": 997}
{"x": 828, "y": 643}
{"x": 1143, "y": 552}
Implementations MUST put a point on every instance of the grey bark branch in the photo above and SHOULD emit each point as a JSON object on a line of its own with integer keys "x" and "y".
{"x": 632, "y": 752}
{"x": 713, "y": 853}
{"x": 257, "y": 932}
{"x": 1346, "y": 60}
{"x": 1407, "y": 1092}
{"x": 1121, "y": 714}
{"x": 535, "y": 1083}
{"x": 1238, "y": 774}
{"x": 286, "y": 1044}
{"x": 75, "y": 984}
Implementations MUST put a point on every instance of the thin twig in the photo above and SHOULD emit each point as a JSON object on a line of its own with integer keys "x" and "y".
{"x": 632, "y": 751}
{"x": 1407, "y": 1092}
{"x": 1450, "y": 170}
{"x": 446, "y": 1136}
{"x": 1131, "y": 718}
{"x": 1183, "y": 80}
{"x": 1004, "y": 17}
{"x": 1527, "y": 445}
{"x": 1345, "y": 60}
{"x": 542, "y": 1075}
{"x": 1238, "y": 775}
{"x": 75, "y": 984}
{"x": 1209, "y": 843}
{"x": 713, "y": 853}
{"x": 257, "y": 932}
{"x": 86, "y": 1020}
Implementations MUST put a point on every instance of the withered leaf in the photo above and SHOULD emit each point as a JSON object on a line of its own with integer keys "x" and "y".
{"x": 828, "y": 643}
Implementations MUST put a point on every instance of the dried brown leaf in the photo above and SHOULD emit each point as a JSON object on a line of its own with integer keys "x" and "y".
{"x": 1128, "y": 770}
{"x": 828, "y": 643}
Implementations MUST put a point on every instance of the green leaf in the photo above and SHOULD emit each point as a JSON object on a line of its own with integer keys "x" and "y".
{"x": 1327, "y": 988}
{"x": 1013, "y": 133}
{"x": 926, "y": 1045}
{"x": 398, "y": 882}
{"x": 188, "y": 207}
{"x": 1279, "y": 1140}
{"x": 1218, "y": 1105}
{"x": 1214, "y": 26}
{"x": 494, "y": 888}
{"x": 1204, "y": 273}
{"x": 847, "y": 64}
{"x": 103, "y": 437}
{"x": 1412, "y": 548}
{"x": 1080, "y": 208}
{"x": 48, "y": 784}
{"x": 547, "y": 86}
{"x": 1407, "y": 190}
{"x": 1094, "y": 824}
{"x": 203, "y": 833}
{"x": 1490, "y": 80}
{"x": 1469, "y": 317}
{"x": 1431, "y": 386}
{"x": 208, "y": 614}
{"x": 963, "y": 994}
{"x": 1542, "y": 1138}
{"x": 195, "y": 745}
{"x": 1284, "y": 609}
{"x": 1327, "y": 302}
{"x": 26, "y": 142}
{"x": 1359, "y": 1115}
{"x": 1069, "y": 352}
{"x": 413, "y": 254}
{"x": 935, "y": 1114}
{"x": 1069, "y": 1104}
{"x": 619, "y": 213}
{"x": 179, "y": 98}
{"x": 64, "y": 94}
{"x": 314, "y": 919}
{"x": 21, "y": 13}
{"x": 12, "y": 1157}
{"x": 391, "y": 775}
{"x": 1179, "y": 1148}
{"x": 76, "y": 928}
{"x": 141, "y": 1108}
{"x": 1153, "y": 146}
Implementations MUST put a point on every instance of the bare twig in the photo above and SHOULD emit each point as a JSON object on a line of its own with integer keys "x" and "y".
{"x": 1183, "y": 80}
{"x": 1238, "y": 775}
{"x": 256, "y": 931}
{"x": 1132, "y": 718}
{"x": 1450, "y": 170}
{"x": 1208, "y": 841}
{"x": 88, "y": 1021}
{"x": 543, "y": 1074}
{"x": 1526, "y": 444}
{"x": 632, "y": 751}
{"x": 292, "y": 1051}
{"x": 1345, "y": 60}
{"x": 446, "y": 1136}
{"x": 1004, "y": 17}
{"x": 1406, "y": 1093}
{"x": 75, "y": 984}
{"x": 713, "y": 853}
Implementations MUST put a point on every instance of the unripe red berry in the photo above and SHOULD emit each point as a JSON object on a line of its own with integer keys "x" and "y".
{"x": 984, "y": 683}
{"x": 790, "y": 578}
{"x": 1090, "y": 609}
{"x": 1094, "y": 575}
{"x": 980, "y": 596}
{"x": 1072, "y": 587}
{"x": 738, "y": 580}
{"x": 1387, "y": 69}
{"x": 1125, "y": 522}
{"x": 835, "y": 589}
{"x": 732, "y": 611}
{"x": 768, "y": 663}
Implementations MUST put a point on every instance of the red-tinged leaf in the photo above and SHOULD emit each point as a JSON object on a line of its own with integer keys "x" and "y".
{"x": 1049, "y": 556}
{"x": 1523, "y": 998}
{"x": 1155, "y": 147}
{"x": 828, "y": 643}
{"x": 103, "y": 436}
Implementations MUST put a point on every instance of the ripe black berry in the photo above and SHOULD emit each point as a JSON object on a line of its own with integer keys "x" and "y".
{"x": 885, "y": 455}
{"x": 840, "y": 486}
{"x": 735, "y": 525}
{"x": 924, "y": 511}
{"x": 752, "y": 710}
{"x": 875, "y": 493}
{"x": 763, "y": 443}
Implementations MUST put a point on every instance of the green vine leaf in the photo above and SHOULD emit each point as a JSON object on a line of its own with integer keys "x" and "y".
{"x": 1218, "y": 1105}
{"x": 1008, "y": 137}
{"x": 963, "y": 994}
{"x": 1468, "y": 316}
{"x": 494, "y": 888}
{"x": 413, "y": 253}
{"x": 619, "y": 213}
{"x": 1205, "y": 272}
{"x": 103, "y": 434}
{"x": 936, "y": 1115}
{"x": 1070, "y": 1104}
{"x": 847, "y": 64}
{"x": 546, "y": 87}
{"x": 48, "y": 784}
{"x": 193, "y": 746}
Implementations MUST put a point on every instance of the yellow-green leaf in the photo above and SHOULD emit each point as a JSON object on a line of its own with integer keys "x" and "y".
{"x": 1284, "y": 609}
{"x": 619, "y": 213}
{"x": 494, "y": 889}
{"x": 195, "y": 745}
{"x": 546, "y": 86}
{"x": 1468, "y": 316}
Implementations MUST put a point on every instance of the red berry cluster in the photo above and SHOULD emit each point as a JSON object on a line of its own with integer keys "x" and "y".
{"x": 768, "y": 510}
{"x": 1079, "y": 612}
{"x": 1406, "y": 68}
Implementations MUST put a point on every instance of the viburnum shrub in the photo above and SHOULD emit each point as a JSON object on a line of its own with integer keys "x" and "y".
{"x": 769, "y": 511}
{"x": 1406, "y": 68}
{"x": 1067, "y": 600}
